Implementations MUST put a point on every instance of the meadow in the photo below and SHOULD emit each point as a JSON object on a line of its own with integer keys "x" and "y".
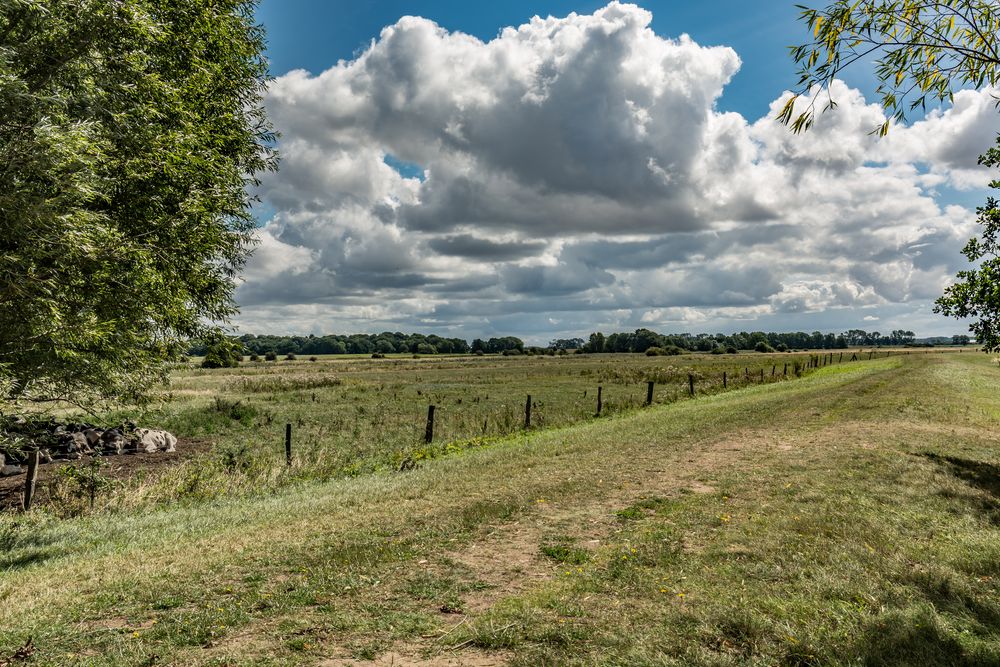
{"x": 847, "y": 517}
{"x": 357, "y": 415}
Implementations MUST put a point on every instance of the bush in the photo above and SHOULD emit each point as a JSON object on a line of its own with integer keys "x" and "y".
{"x": 313, "y": 359}
{"x": 718, "y": 349}
{"x": 271, "y": 356}
{"x": 654, "y": 351}
{"x": 513, "y": 352}
{"x": 378, "y": 355}
{"x": 254, "y": 357}
{"x": 731, "y": 350}
{"x": 782, "y": 347}
{"x": 478, "y": 353}
{"x": 763, "y": 347}
{"x": 290, "y": 357}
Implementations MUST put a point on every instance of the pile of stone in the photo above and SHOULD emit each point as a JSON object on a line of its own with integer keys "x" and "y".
{"x": 68, "y": 441}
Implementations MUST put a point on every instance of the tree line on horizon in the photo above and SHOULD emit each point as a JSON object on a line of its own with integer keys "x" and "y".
{"x": 639, "y": 341}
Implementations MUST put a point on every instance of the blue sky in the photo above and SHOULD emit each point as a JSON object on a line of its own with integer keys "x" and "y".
{"x": 592, "y": 172}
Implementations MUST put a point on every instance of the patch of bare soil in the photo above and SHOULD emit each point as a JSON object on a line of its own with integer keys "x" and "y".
{"x": 404, "y": 658}
{"x": 121, "y": 466}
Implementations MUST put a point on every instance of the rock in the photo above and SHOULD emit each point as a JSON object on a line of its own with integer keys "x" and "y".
{"x": 77, "y": 442}
{"x": 150, "y": 440}
{"x": 93, "y": 436}
{"x": 10, "y": 471}
{"x": 112, "y": 442}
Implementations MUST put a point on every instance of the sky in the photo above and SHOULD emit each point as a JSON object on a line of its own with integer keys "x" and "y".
{"x": 548, "y": 169}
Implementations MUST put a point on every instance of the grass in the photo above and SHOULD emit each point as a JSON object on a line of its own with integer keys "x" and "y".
{"x": 355, "y": 416}
{"x": 850, "y": 517}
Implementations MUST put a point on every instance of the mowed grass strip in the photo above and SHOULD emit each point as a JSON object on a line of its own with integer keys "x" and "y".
{"x": 845, "y": 518}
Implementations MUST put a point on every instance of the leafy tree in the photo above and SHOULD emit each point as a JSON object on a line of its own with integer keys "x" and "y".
{"x": 922, "y": 50}
{"x": 221, "y": 351}
{"x": 130, "y": 132}
{"x": 977, "y": 293}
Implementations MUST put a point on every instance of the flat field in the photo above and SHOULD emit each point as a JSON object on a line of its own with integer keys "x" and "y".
{"x": 850, "y": 516}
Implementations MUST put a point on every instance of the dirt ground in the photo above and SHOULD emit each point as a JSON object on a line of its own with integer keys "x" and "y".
{"x": 121, "y": 466}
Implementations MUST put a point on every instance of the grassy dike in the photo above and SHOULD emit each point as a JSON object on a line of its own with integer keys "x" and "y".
{"x": 847, "y": 518}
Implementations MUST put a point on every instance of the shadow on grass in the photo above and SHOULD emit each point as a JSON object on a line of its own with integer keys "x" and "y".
{"x": 19, "y": 549}
{"x": 979, "y": 475}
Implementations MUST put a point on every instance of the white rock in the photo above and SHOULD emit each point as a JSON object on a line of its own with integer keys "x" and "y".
{"x": 151, "y": 440}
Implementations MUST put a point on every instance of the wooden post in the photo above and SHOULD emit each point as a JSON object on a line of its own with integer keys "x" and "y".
{"x": 724, "y": 382}
{"x": 774, "y": 367}
{"x": 649, "y": 393}
{"x": 762, "y": 375}
{"x": 29, "y": 483}
{"x": 527, "y": 413}
{"x": 841, "y": 360}
{"x": 600, "y": 403}
{"x": 429, "y": 431}
{"x": 746, "y": 373}
{"x": 288, "y": 444}
{"x": 786, "y": 369}
{"x": 691, "y": 383}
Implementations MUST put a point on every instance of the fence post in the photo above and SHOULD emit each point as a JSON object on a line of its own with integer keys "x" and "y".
{"x": 762, "y": 375}
{"x": 649, "y": 393}
{"x": 429, "y": 431}
{"x": 691, "y": 383}
{"x": 288, "y": 444}
{"x": 724, "y": 382}
{"x": 527, "y": 413}
{"x": 841, "y": 360}
{"x": 29, "y": 483}
{"x": 600, "y": 402}
{"x": 786, "y": 369}
{"x": 774, "y": 367}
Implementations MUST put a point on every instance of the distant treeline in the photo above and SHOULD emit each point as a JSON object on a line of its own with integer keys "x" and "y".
{"x": 640, "y": 340}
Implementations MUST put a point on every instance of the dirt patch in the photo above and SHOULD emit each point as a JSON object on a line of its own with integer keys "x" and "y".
{"x": 404, "y": 658}
{"x": 122, "y": 466}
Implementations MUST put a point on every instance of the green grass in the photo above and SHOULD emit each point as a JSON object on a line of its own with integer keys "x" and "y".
{"x": 355, "y": 416}
{"x": 850, "y": 517}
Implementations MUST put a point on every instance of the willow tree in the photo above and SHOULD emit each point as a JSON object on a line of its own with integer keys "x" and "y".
{"x": 922, "y": 51}
{"x": 131, "y": 132}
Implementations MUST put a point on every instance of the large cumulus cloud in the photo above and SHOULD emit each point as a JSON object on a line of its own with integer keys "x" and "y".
{"x": 574, "y": 173}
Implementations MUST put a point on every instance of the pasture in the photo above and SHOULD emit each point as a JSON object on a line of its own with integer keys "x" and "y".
{"x": 846, "y": 517}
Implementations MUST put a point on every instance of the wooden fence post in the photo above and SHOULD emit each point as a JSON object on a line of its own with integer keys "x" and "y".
{"x": 429, "y": 431}
{"x": 774, "y": 367}
{"x": 691, "y": 383}
{"x": 527, "y": 413}
{"x": 29, "y": 483}
{"x": 762, "y": 375}
{"x": 724, "y": 382}
{"x": 288, "y": 444}
{"x": 786, "y": 369}
{"x": 649, "y": 393}
{"x": 600, "y": 402}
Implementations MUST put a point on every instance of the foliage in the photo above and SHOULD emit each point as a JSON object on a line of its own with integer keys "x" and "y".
{"x": 977, "y": 292}
{"x": 131, "y": 132}
{"x": 221, "y": 351}
{"x": 922, "y": 50}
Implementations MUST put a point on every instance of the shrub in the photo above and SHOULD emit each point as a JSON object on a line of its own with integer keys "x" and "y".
{"x": 478, "y": 353}
{"x": 271, "y": 356}
{"x": 762, "y": 346}
{"x": 782, "y": 347}
{"x": 718, "y": 349}
{"x": 731, "y": 350}
{"x": 378, "y": 355}
{"x": 313, "y": 359}
{"x": 654, "y": 351}
{"x": 513, "y": 352}
{"x": 290, "y": 357}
